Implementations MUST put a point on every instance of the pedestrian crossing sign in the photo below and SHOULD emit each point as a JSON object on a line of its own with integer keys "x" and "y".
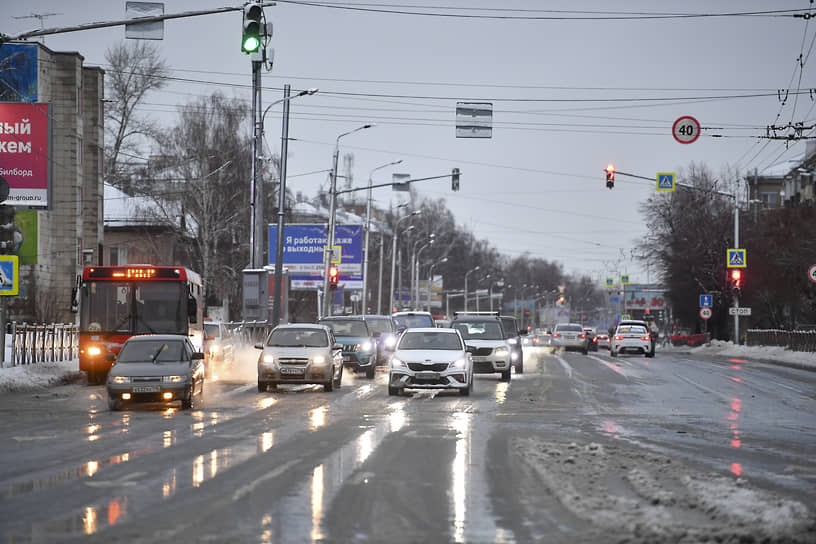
{"x": 736, "y": 258}
{"x": 624, "y": 279}
{"x": 9, "y": 275}
{"x": 665, "y": 181}
{"x": 610, "y": 282}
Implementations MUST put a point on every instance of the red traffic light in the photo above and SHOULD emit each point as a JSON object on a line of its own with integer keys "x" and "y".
{"x": 736, "y": 278}
{"x": 334, "y": 275}
{"x": 610, "y": 172}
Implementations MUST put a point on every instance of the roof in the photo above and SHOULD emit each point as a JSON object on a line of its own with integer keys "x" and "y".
{"x": 159, "y": 337}
{"x": 123, "y": 210}
{"x": 443, "y": 330}
{"x": 301, "y": 326}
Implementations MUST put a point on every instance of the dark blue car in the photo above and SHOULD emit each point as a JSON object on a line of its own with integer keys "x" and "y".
{"x": 358, "y": 341}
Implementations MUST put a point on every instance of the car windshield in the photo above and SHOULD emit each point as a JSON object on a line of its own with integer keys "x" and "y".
{"x": 309, "y": 338}
{"x": 155, "y": 351}
{"x": 429, "y": 340}
{"x": 211, "y": 329}
{"x": 479, "y": 330}
{"x": 417, "y": 320}
{"x": 569, "y": 328}
{"x": 347, "y": 327}
{"x": 632, "y": 329}
{"x": 379, "y": 325}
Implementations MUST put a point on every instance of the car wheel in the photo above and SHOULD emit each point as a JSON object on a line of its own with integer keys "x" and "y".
{"x": 339, "y": 378}
{"x": 650, "y": 354}
{"x": 187, "y": 402}
{"x": 505, "y": 376}
{"x": 393, "y": 391}
{"x": 113, "y": 404}
{"x": 370, "y": 372}
{"x": 328, "y": 387}
{"x": 465, "y": 391}
{"x": 520, "y": 367}
{"x": 613, "y": 353}
{"x": 585, "y": 350}
{"x": 262, "y": 386}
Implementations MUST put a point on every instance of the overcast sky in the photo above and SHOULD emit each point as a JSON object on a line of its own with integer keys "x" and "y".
{"x": 575, "y": 85}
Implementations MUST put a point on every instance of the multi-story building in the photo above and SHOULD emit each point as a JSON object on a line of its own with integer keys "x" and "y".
{"x": 61, "y": 219}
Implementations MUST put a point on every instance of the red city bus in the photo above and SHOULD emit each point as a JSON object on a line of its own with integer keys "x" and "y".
{"x": 117, "y": 302}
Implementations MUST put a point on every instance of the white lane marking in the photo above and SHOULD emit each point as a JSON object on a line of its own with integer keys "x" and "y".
{"x": 566, "y": 366}
{"x": 125, "y": 480}
{"x": 610, "y": 365}
{"x": 34, "y": 437}
{"x": 241, "y": 492}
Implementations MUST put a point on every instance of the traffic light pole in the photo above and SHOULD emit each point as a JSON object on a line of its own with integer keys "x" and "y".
{"x": 256, "y": 188}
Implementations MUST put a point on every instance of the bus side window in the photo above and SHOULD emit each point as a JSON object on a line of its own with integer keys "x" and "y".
{"x": 192, "y": 309}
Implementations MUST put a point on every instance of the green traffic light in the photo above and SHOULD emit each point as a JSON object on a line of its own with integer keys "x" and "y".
{"x": 251, "y": 44}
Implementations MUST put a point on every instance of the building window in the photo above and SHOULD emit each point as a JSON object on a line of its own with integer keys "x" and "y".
{"x": 117, "y": 256}
{"x": 769, "y": 199}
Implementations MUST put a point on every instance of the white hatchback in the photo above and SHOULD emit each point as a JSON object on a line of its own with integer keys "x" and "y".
{"x": 430, "y": 358}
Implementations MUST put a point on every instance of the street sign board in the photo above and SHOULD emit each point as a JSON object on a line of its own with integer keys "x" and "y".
{"x": 303, "y": 246}
{"x": 686, "y": 129}
{"x": 624, "y": 279}
{"x": 706, "y": 301}
{"x": 705, "y": 313}
{"x": 736, "y": 258}
{"x": 9, "y": 275}
{"x": 625, "y": 317}
{"x": 739, "y": 311}
{"x": 474, "y": 119}
{"x": 610, "y": 282}
{"x": 665, "y": 181}
{"x": 812, "y": 273}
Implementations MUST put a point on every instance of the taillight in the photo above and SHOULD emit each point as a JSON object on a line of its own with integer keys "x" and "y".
{"x": 583, "y": 335}
{"x": 595, "y": 339}
{"x": 556, "y": 334}
{"x": 647, "y": 338}
{"x": 619, "y": 337}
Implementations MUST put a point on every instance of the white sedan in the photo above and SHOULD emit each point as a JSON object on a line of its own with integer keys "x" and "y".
{"x": 631, "y": 338}
{"x": 430, "y": 358}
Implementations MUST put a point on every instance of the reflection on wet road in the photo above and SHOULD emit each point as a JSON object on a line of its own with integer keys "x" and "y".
{"x": 301, "y": 465}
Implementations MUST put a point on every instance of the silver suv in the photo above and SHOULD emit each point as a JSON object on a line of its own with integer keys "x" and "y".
{"x": 486, "y": 340}
{"x": 300, "y": 353}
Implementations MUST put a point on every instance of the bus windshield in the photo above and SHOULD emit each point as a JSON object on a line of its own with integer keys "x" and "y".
{"x": 134, "y": 307}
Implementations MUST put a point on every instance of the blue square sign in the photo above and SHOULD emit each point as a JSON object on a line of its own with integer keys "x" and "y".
{"x": 706, "y": 301}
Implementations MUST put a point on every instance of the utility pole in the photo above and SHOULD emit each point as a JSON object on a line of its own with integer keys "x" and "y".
{"x": 278, "y": 294}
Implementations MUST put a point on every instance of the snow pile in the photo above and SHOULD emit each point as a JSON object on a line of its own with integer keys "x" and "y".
{"x": 39, "y": 376}
{"x": 758, "y": 353}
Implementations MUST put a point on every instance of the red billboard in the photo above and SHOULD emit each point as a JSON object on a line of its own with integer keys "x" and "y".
{"x": 24, "y": 138}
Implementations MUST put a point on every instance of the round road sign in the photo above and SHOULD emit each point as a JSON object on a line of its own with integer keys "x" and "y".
{"x": 686, "y": 129}
{"x": 812, "y": 273}
{"x": 705, "y": 313}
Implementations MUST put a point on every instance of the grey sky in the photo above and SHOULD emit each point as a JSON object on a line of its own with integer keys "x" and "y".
{"x": 538, "y": 185}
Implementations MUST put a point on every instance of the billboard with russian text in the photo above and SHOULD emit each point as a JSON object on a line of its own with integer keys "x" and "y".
{"x": 24, "y": 164}
{"x": 303, "y": 246}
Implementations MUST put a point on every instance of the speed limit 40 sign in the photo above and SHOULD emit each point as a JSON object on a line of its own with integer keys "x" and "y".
{"x": 686, "y": 129}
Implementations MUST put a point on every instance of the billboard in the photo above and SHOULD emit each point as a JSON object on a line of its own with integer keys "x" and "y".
{"x": 645, "y": 297}
{"x": 24, "y": 139}
{"x": 303, "y": 246}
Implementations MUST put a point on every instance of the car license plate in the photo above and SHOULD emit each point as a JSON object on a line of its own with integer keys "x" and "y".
{"x": 293, "y": 371}
{"x": 427, "y": 375}
{"x": 348, "y": 358}
{"x": 146, "y": 389}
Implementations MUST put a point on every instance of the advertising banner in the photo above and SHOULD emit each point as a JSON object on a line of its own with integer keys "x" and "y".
{"x": 303, "y": 246}
{"x": 645, "y": 297}
{"x": 24, "y": 135}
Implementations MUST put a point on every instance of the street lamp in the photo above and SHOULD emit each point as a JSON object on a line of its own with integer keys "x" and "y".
{"x": 498, "y": 283}
{"x": 430, "y": 278}
{"x": 278, "y": 295}
{"x": 367, "y": 229}
{"x": 414, "y": 272}
{"x": 394, "y": 249}
{"x": 329, "y": 249}
{"x": 468, "y": 273}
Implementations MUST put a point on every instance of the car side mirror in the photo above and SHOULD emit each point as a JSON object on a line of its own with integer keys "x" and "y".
{"x": 198, "y": 355}
{"x": 523, "y": 332}
{"x": 337, "y": 346}
{"x": 110, "y": 357}
{"x": 259, "y": 345}
{"x": 401, "y": 329}
{"x": 470, "y": 349}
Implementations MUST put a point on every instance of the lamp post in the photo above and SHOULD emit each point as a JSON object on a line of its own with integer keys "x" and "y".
{"x": 328, "y": 250}
{"x": 278, "y": 295}
{"x": 468, "y": 273}
{"x": 414, "y": 274}
{"x": 430, "y": 278}
{"x": 499, "y": 283}
{"x": 364, "y": 297}
{"x": 394, "y": 248}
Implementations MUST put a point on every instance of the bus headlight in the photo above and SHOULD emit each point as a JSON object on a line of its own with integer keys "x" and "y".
{"x": 171, "y": 379}
{"x": 93, "y": 351}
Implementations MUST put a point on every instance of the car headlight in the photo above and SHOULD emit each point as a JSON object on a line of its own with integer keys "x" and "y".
{"x": 512, "y": 341}
{"x": 171, "y": 379}
{"x": 366, "y": 346}
{"x": 397, "y": 363}
{"x": 514, "y": 356}
{"x": 94, "y": 351}
{"x": 459, "y": 364}
{"x": 501, "y": 352}
{"x": 267, "y": 358}
{"x": 390, "y": 341}
{"x": 120, "y": 379}
{"x": 215, "y": 348}
{"x": 319, "y": 359}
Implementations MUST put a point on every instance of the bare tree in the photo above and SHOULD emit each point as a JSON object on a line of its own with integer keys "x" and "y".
{"x": 135, "y": 69}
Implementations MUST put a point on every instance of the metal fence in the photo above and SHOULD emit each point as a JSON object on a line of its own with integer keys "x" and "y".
{"x": 41, "y": 343}
{"x": 249, "y": 333}
{"x": 792, "y": 340}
